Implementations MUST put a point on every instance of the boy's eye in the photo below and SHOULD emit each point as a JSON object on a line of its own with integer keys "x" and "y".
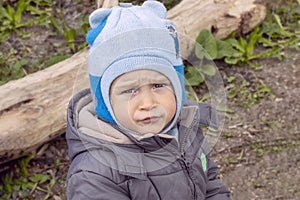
{"x": 159, "y": 85}
{"x": 129, "y": 91}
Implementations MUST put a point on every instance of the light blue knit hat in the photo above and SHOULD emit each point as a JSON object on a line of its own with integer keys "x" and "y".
{"x": 127, "y": 38}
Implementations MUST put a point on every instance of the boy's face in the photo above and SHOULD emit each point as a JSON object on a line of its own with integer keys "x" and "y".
{"x": 143, "y": 101}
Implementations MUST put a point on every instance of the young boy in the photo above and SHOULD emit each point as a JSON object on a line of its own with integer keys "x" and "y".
{"x": 133, "y": 135}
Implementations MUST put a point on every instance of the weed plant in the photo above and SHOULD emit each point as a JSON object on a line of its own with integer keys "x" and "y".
{"x": 280, "y": 31}
{"x": 19, "y": 17}
{"x": 19, "y": 184}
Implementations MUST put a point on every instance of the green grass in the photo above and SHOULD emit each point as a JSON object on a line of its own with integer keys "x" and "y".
{"x": 280, "y": 30}
{"x": 16, "y": 21}
{"x": 18, "y": 183}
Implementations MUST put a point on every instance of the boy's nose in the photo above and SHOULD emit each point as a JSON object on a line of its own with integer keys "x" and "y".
{"x": 147, "y": 101}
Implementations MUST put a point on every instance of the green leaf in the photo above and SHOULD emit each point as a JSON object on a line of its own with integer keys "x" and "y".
{"x": 20, "y": 25}
{"x": 200, "y": 51}
{"x": 193, "y": 76}
{"x": 209, "y": 70}
{"x": 232, "y": 94}
{"x": 17, "y": 69}
{"x": 39, "y": 178}
{"x": 225, "y": 49}
{"x": 52, "y": 182}
{"x": 34, "y": 10}
{"x": 10, "y": 13}
{"x": 236, "y": 44}
{"x": 85, "y": 27}
{"x": 20, "y": 10}
{"x": 207, "y": 47}
{"x": 205, "y": 97}
{"x": 243, "y": 43}
{"x": 265, "y": 89}
{"x": 56, "y": 25}
{"x": 16, "y": 187}
{"x": 230, "y": 79}
{"x": 279, "y": 24}
{"x": 254, "y": 37}
{"x": 231, "y": 60}
{"x": 70, "y": 36}
{"x": 267, "y": 42}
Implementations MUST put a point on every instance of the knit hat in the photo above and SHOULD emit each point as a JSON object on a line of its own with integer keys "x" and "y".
{"x": 127, "y": 38}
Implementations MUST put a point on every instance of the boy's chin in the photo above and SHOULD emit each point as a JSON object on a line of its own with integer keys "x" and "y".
{"x": 155, "y": 128}
{"x": 149, "y": 130}
{"x": 154, "y": 132}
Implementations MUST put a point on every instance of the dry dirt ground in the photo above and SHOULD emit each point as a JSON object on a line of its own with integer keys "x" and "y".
{"x": 259, "y": 153}
{"x": 259, "y": 149}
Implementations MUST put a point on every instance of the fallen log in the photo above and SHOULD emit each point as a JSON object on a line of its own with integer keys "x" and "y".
{"x": 33, "y": 109}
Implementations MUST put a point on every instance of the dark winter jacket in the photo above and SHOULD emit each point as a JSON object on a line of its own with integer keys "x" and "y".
{"x": 107, "y": 164}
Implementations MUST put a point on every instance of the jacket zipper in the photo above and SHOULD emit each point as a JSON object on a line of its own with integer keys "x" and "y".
{"x": 186, "y": 164}
{"x": 181, "y": 159}
{"x": 187, "y": 170}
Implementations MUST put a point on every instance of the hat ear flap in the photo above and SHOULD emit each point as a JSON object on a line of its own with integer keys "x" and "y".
{"x": 98, "y": 16}
{"x": 156, "y": 7}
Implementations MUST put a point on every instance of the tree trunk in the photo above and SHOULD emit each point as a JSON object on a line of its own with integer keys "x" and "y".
{"x": 33, "y": 109}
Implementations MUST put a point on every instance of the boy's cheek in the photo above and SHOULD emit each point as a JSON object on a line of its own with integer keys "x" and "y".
{"x": 122, "y": 112}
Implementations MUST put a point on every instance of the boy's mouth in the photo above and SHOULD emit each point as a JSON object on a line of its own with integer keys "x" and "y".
{"x": 148, "y": 120}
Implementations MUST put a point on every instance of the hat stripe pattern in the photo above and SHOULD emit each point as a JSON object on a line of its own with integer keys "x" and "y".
{"x": 100, "y": 108}
{"x": 180, "y": 73}
{"x": 93, "y": 33}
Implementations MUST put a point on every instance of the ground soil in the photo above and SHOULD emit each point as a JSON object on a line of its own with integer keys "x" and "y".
{"x": 258, "y": 151}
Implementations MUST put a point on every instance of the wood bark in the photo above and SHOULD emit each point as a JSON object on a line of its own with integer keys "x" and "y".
{"x": 33, "y": 109}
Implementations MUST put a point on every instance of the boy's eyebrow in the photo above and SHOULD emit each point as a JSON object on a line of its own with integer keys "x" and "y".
{"x": 125, "y": 85}
{"x": 129, "y": 83}
{"x": 160, "y": 79}
{"x": 157, "y": 79}
{"x": 145, "y": 80}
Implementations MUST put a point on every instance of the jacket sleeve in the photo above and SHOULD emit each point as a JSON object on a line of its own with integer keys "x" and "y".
{"x": 215, "y": 189}
{"x": 91, "y": 186}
